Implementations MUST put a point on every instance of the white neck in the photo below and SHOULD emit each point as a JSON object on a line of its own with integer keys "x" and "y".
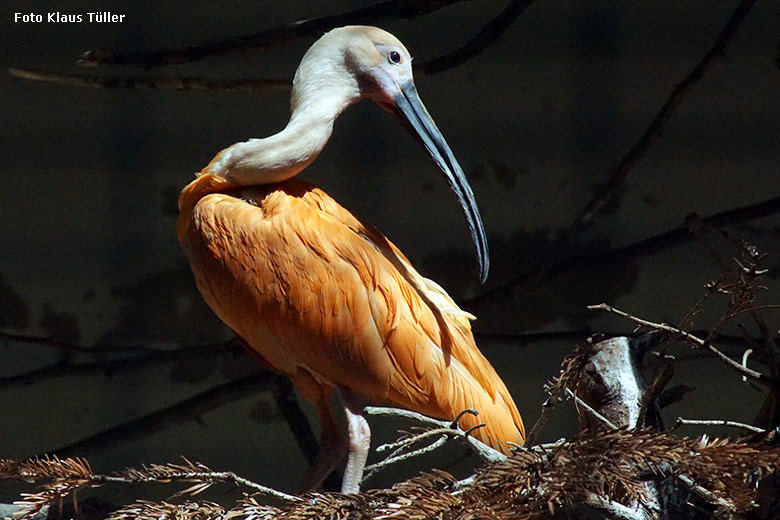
{"x": 322, "y": 89}
{"x": 275, "y": 158}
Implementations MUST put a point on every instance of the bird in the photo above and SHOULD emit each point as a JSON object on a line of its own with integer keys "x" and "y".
{"x": 323, "y": 297}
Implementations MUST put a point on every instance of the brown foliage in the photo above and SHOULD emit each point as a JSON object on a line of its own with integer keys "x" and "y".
{"x": 536, "y": 483}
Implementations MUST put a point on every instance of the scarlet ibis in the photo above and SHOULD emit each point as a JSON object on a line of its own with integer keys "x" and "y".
{"x": 322, "y": 296}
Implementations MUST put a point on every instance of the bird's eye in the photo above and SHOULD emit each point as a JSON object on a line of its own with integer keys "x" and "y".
{"x": 394, "y": 57}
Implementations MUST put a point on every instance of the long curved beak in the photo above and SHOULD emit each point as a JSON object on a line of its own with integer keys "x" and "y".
{"x": 412, "y": 113}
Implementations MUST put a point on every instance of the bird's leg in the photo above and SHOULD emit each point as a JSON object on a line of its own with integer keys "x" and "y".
{"x": 333, "y": 447}
{"x": 359, "y": 442}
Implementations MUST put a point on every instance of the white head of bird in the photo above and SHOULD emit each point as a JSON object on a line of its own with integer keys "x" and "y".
{"x": 342, "y": 67}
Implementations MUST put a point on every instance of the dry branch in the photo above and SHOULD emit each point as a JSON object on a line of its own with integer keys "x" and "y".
{"x": 573, "y": 365}
{"x": 44, "y": 341}
{"x": 642, "y": 248}
{"x": 450, "y": 428}
{"x": 177, "y": 83}
{"x": 392, "y": 9}
{"x": 60, "y": 478}
{"x": 533, "y": 485}
{"x": 68, "y": 367}
{"x": 608, "y": 191}
{"x": 478, "y": 43}
{"x": 488, "y": 35}
{"x": 528, "y": 484}
{"x": 718, "y": 422}
{"x": 687, "y": 336}
{"x": 169, "y": 416}
{"x": 608, "y": 471}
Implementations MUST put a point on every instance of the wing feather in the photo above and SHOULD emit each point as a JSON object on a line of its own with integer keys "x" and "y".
{"x": 320, "y": 294}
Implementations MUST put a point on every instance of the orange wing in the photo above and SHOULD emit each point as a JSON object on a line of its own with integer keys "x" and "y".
{"x": 329, "y": 301}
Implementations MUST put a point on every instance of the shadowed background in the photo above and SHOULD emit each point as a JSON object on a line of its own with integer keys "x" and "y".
{"x": 538, "y": 120}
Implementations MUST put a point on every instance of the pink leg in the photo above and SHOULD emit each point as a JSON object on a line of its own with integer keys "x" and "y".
{"x": 333, "y": 447}
{"x": 359, "y": 443}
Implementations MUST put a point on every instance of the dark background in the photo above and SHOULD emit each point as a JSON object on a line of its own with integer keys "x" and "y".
{"x": 88, "y": 250}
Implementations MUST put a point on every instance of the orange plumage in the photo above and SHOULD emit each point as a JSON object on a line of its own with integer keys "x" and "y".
{"x": 327, "y": 300}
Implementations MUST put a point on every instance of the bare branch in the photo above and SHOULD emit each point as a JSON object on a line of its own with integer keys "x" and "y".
{"x": 654, "y": 391}
{"x": 484, "y": 451}
{"x": 705, "y": 493}
{"x": 409, "y": 440}
{"x": 259, "y": 41}
{"x": 718, "y": 422}
{"x": 571, "y": 367}
{"x": 541, "y": 422}
{"x": 763, "y": 378}
{"x": 400, "y": 446}
{"x": 180, "y": 84}
{"x": 207, "y": 477}
{"x": 63, "y": 477}
{"x": 70, "y": 368}
{"x": 373, "y": 469}
{"x": 608, "y": 191}
{"x": 392, "y": 9}
{"x": 639, "y": 249}
{"x": 478, "y": 43}
{"x": 171, "y": 415}
{"x": 44, "y": 341}
{"x": 591, "y": 410}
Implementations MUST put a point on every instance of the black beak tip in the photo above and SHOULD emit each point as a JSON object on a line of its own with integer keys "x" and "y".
{"x": 483, "y": 259}
{"x": 484, "y": 267}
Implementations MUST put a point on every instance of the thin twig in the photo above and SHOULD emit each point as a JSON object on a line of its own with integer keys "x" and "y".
{"x": 232, "y": 347}
{"x": 483, "y": 450}
{"x": 653, "y": 391}
{"x": 70, "y": 474}
{"x": 45, "y": 341}
{"x": 392, "y": 9}
{"x": 169, "y": 416}
{"x": 763, "y": 378}
{"x": 373, "y": 469}
{"x": 718, "y": 422}
{"x": 607, "y": 192}
{"x": 591, "y": 410}
{"x": 443, "y": 432}
{"x": 705, "y": 493}
{"x": 547, "y": 408}
{"x": 405, "y": 414}
{"x": 229, "y": 476}
{"x": 70, "y": 368}
{"x": 640, "y": 249}
{"x": 179, "y": 84}
{"x": 488, "y": 35}
{"x": 405, "y": 442}
{"x": 219, "y": 476}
